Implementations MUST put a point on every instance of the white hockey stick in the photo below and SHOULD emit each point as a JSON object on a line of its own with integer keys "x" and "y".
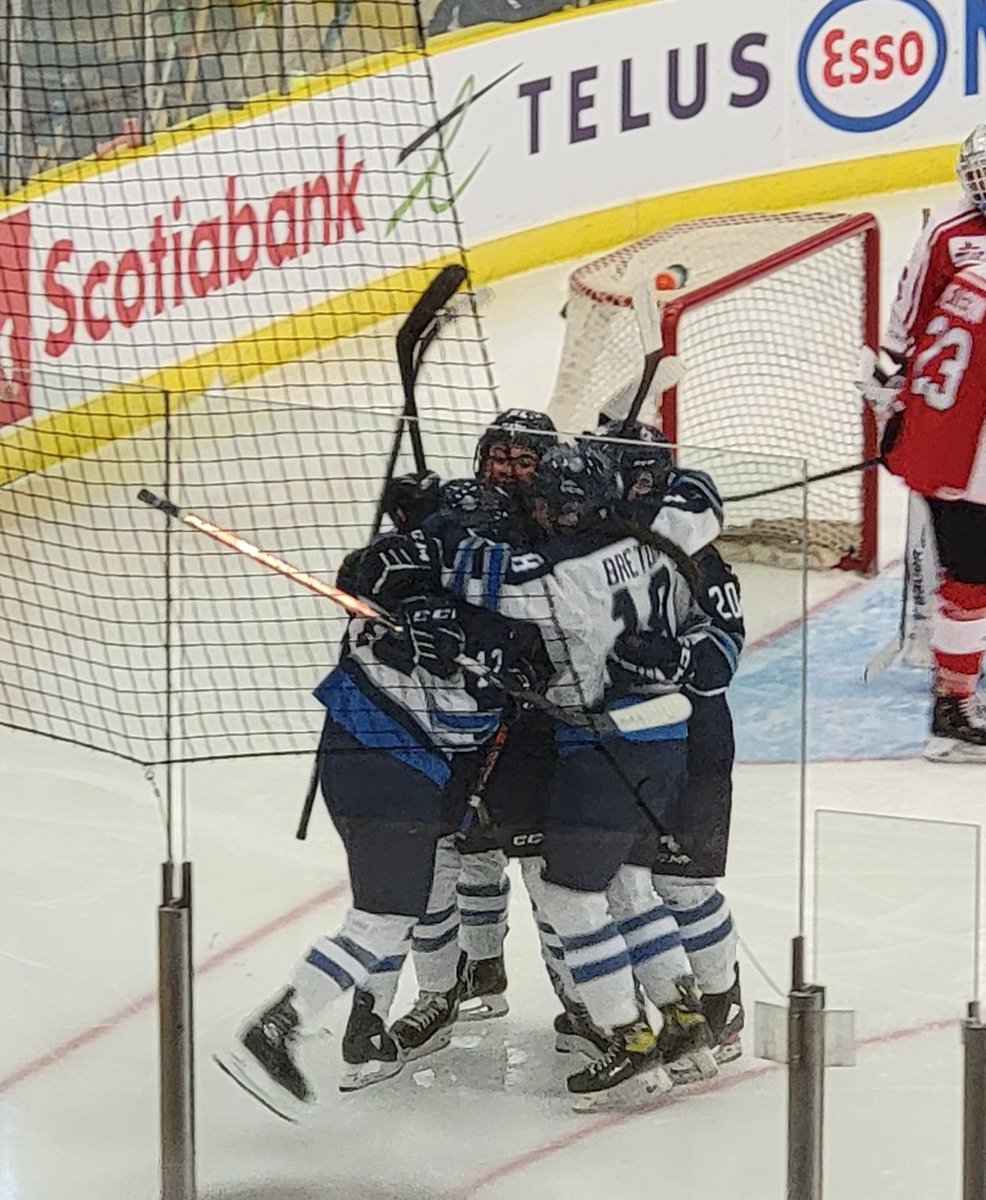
{"x": 671, "y": 709}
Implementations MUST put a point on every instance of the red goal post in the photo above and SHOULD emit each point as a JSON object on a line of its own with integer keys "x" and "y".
{"x": 768, "y": 326}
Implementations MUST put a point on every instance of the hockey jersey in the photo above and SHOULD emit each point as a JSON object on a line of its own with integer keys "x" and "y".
{"x": 417, "y": 717}
{"x": 940, "y": 449}
{"x": 953, "y": 239}
{"x": 582, "y": 591}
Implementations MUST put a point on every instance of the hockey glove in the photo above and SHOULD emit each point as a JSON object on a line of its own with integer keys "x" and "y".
{"x": 394, "y": 568}
{"x": 880, "y": 384}
{"x": 652, "y": 659}
{"x": 430, "y": 638}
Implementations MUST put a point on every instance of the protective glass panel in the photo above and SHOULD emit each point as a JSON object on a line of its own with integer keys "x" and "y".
{"x": 226, "y": 659}
{"x": 897, "y": 928}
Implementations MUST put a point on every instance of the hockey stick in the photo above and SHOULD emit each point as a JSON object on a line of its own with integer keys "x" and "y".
{"x": 413, "y": 339}
{"x": 786, "y": 487}
{"x": 665, "y": 372}
{"x": 649, "y": 714}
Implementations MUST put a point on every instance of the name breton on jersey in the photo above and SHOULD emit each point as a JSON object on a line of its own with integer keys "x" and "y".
{"x": 631, "y": 563}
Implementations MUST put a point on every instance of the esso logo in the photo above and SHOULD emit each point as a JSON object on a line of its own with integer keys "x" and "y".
{"x": 865, "y": 65}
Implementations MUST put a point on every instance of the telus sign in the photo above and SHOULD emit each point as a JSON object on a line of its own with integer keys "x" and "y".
{"x": 866, "y": 65}
{"x": 637, "y": 91}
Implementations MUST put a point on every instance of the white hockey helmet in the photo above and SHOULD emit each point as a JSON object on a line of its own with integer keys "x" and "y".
{"x": 971, "y": 167}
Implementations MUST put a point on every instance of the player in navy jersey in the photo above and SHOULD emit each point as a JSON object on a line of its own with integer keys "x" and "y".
{"x": 399, "y": 708}
{"x": 580, "y": 584}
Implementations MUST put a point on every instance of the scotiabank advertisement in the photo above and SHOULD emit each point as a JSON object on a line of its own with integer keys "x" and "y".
{"x": 155, "y": 260}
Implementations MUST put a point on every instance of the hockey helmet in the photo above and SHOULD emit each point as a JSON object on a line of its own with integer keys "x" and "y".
{"x": 574, "y": 487}
{"x": 971, "y": 168}
{"x": 479, "y": 508}
{"x": 508, "y": 452}
{"x": 641, "y": 454}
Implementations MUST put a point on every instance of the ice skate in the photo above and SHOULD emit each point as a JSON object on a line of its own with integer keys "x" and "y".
{"x": 576, "y": 1034}
{"x": 262, "y": 1060}
{"x": 482, "y": 989}
{"x": 724, "y": 1013}
{"x": 369, "y": 1052}
{"x": 685, "y": 1039}
{"x": 629, "y": 1071}
{"x": 958, "y": 731}
{"x": 427, "y": 1025}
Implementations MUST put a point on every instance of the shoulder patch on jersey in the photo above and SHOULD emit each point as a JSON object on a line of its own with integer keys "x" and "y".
{"x": 965, "y": 250}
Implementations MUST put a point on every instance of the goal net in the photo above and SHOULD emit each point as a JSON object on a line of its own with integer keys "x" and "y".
{"x": 768, "y": 327}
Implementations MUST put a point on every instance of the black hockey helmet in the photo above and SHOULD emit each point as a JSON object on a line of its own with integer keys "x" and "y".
{"x": 641, "y": 454}
{"x": 481, "y": 509}
{"x": 517, "y": 427}
{"x": 574, "y": 487}
{"x": 409, "y": 499}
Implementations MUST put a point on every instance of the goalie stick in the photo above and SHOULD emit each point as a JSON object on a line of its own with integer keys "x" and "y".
{"x": 670, "y": 709}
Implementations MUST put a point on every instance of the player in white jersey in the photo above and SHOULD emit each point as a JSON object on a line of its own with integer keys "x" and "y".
{"x": 589, "y": 578}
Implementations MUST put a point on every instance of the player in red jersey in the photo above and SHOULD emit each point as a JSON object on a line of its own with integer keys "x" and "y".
{"x": 936, "y": 406}
{"x": 937, "y": 445}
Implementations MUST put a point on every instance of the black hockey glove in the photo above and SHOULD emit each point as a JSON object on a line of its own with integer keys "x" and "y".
{"x": 652, "y": 659}
{"x": 396, "y": 567}
{"x": 431, "y": 638}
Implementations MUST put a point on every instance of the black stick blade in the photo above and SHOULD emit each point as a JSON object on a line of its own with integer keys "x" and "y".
{"x": 147, "y": 497}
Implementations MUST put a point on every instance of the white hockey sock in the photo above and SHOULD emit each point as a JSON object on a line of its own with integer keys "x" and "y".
{"x": 595, "y": 953}
{"x": 335, "y": 964}
{"x": 483, "y": 898}
{"x": 552, "y": 954}
{"x": 651, "y": 933}
{"x": 435, "y": 942}
{"x": 707, "y": 930}
{"x": 382, "y": 983}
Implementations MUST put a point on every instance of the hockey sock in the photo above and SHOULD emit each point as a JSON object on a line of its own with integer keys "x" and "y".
{"x": 958, "y": 637}
{"x": 435, "y": 942}
{"x": 483, "y": 897}
{"x": 595, "y": 953}
{"x": 552, "y": 954}
{"x": 707, "y": 931}
{"x": 651, "y": 933}
{"x": 335, "y": 964}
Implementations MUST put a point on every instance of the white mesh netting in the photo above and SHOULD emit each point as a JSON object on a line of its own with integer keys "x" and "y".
{"x": 768, "y": 327}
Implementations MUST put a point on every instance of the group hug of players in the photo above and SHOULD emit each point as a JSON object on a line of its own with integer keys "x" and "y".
{"x": 586, "y": 572}
{"x": 583, "y": 571}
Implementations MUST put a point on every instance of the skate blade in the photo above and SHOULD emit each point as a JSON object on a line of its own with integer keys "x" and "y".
{"x": 694, "y": 1067}
{"x": 950, "y": 750}
{"x": 483, "y": 1008}
{"x": 728, "y": 1052}
{"x": 254, "y": 1080}
{"x": 570, "y": 1043}
{"x": 356, "y": 1076}
{"x": 648, "y": 1085}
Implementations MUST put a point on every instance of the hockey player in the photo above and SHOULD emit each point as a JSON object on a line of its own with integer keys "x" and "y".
{"x": 582, "y": 585}
{"x": 953, "y": 241}
{"x": 399, "y": 707}
{"x": 937, "y": 444}
{"x": 953, "y": 238}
